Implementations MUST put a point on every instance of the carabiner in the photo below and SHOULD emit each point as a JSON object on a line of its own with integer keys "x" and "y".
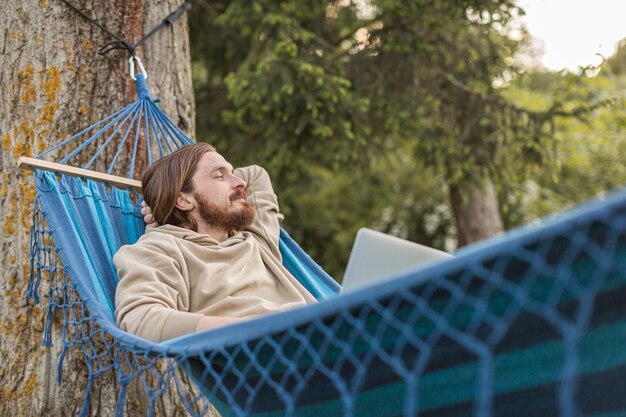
{"x": 131, "y": 61}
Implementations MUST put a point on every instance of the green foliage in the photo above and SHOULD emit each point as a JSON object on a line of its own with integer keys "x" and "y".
{"x": 290, "y": 107}
{"x": 588, "y": 148}
{"x": 365, "y": 112}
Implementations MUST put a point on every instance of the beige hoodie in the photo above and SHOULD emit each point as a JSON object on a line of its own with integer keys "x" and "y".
{"x": 172, "y": 276}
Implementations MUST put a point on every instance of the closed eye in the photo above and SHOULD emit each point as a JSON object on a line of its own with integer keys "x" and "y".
{"x": 220, "y": 173}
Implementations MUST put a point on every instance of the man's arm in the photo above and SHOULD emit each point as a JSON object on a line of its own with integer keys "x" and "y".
{"x": 152, "y": 297}
{"x": 261, "y": 195}
{"x": 211, "y": 322}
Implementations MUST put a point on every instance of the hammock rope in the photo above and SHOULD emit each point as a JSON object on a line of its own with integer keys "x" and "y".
{"x": 119, "y": 42}
{"x": 143, "y": 117}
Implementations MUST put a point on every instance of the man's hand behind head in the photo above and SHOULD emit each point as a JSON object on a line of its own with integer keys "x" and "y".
{"x": 148, "y": 219}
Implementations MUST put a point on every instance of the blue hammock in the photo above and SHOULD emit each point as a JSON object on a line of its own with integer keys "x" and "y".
{"x": 532, "y": 323}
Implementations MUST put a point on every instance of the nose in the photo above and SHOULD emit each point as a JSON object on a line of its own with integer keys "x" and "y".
{"x": 239, "y": 183}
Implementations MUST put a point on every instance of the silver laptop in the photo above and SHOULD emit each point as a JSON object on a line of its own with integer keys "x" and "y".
{"x": 377, "y": 256}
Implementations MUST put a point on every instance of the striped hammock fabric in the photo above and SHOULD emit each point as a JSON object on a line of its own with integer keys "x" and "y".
{"x": 532, "y": 323}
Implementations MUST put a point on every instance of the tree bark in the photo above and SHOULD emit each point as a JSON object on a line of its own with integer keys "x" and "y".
{"x": 53, "y": 84}
{"x": 476, "y": 211}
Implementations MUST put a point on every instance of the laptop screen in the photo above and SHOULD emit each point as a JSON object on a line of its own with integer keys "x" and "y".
{"x": 377, "y": 256}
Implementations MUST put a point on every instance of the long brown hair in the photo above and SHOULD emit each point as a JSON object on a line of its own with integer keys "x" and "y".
{"x": 164, "y": 180}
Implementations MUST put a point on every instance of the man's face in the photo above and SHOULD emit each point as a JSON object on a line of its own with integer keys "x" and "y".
{"x": 220, "y": 196}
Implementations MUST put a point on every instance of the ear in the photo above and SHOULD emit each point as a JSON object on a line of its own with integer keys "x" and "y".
{"x": 185, "y": 202}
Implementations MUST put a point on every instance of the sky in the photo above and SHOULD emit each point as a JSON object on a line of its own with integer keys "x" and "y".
{"x": 573, "y": 32}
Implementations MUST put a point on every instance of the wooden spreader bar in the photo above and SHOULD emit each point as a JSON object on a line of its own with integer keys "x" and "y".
{"x": 121, "y": 182}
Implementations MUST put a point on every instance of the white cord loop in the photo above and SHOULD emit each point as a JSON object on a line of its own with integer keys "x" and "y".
{"x": 131, "y": 61}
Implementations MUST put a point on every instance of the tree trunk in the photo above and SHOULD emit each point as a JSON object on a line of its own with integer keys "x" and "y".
{"x": 476, "y": 212}
{"x": 54, "y": 83}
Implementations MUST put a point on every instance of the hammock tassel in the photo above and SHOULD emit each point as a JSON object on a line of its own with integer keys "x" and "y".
{"x": 60, "y": 364}
{"x": 47, "y": 333}
{"x": 84, "y": 411}
{"x": 32, "y": 288}
{"x": 121, "y": 399}
{"x": 35, "y": 274}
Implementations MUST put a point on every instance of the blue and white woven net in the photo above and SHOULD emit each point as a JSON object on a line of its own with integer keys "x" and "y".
{"x": 532, "y": 323}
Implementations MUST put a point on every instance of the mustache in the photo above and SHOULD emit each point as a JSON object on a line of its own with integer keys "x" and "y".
{"x": 239, "y": 194}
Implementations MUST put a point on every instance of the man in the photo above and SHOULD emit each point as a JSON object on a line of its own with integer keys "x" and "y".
{"x": 214, "y": 259}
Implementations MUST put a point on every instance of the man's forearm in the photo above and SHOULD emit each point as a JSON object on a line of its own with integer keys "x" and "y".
{"x": 212, "y": 322}
{"x": 256, "y": 178}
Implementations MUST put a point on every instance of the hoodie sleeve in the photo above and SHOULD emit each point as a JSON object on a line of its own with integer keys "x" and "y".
{"x": 261, "y": 195}
{"x": 152, "y": 297}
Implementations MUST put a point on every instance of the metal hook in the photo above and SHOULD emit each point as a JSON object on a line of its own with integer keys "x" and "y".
{"x": 131, "y": 61}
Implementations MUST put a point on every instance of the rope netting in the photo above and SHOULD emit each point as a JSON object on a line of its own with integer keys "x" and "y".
{"x": 81, "y": 333}
{"x": 530, "y": 324}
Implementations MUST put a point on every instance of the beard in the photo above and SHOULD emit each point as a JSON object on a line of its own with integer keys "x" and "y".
{"x": 229, "y": 218}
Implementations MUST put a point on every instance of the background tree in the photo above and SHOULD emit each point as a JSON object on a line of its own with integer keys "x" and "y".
{"x": 345, "y": 97}
{"x": 53, "y": 84}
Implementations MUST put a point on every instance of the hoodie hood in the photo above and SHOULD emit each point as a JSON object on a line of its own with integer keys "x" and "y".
{"x": 195, "y": 237}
